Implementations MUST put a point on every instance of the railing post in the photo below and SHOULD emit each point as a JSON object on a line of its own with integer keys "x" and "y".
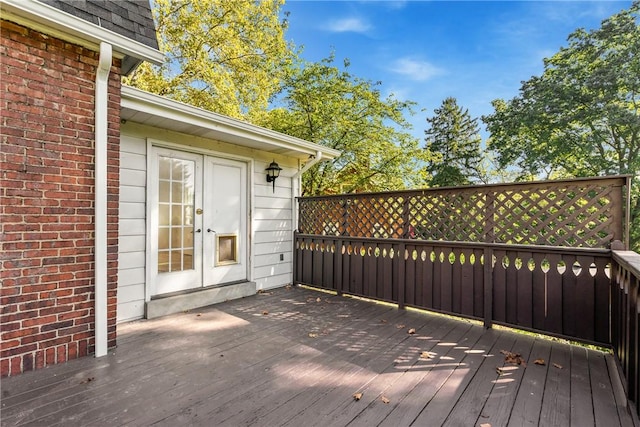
{"x": 295, "y": 258}
{"x": 406, "y": 219}
{"x": 627, "y": 213}
{"x": 488, "y": 287}
{"x": 489, "y": 237}
{"x": 337, "y": 263}
{"x": 401, "y": 266}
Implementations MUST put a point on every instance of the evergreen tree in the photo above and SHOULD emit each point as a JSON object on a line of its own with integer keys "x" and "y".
{"x": 453, "y": 140}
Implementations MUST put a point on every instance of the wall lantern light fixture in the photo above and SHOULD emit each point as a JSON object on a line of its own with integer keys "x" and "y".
{"x": 273, "y": 172}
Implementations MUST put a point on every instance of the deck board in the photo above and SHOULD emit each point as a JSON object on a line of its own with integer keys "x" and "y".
{"x": 461, "y": 400}
{"x": 581, "y": 403}
{"x": 296, "y": 357}
{"x": 505, "y": 381}
{"x": 556, "y": 409}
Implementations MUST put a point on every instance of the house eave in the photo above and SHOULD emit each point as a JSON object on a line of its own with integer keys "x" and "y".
{"x": 149, "y": 109}
{"x": 55, "y": 22}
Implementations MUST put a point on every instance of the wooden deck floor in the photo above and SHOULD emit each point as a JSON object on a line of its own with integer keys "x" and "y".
{"x": 296, "y": 357}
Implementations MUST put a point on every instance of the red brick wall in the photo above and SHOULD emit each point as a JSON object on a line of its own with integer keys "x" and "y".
{"x": 47, "y": 199}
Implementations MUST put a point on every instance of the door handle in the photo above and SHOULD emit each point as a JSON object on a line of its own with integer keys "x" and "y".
{"x": 199, "y": 230}
{"x": 210, "y": 230}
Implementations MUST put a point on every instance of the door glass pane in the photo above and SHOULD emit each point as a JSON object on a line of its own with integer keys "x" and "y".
{"x": 176, "y": 200}
{"x": 163, "y": 262}
{"x": 176, "y": 237}
{"x": 163, "y": 238}
{"x": 176, "y": 215}
{"x": 163, "y": 214}
{"x": 188, "y": 239}
{"x": 164, "y": 168}
{"x": 164, "y": 194}
{"x": 187, "y": 259}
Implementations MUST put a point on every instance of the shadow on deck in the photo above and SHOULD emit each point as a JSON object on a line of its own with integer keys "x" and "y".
{"x": 296, "y": 357}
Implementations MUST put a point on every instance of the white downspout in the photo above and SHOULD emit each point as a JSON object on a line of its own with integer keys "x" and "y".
{"x": 100, "y": 252}
{"x": 295, "y": 187}
{"x": 308, "y": 165}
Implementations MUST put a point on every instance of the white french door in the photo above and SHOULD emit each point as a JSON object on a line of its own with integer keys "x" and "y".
{"x": 198, "y": 221}
{"x": 224, "y": 221}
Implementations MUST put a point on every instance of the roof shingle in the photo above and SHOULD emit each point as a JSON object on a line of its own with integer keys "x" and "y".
{"x": 130, "y": 18}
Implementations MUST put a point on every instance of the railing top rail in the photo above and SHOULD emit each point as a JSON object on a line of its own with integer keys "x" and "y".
{"x": 630, "y": 260}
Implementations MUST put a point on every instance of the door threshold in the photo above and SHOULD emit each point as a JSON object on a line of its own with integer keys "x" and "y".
{"x": 196, "y": 290}
{"x": 177, "y": 302}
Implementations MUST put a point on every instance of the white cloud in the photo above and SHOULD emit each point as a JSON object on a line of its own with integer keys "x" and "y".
{"x": 569, "y": 12}
{"x": 353, "y": 25}
{"x": 396, "y": 4}
{"x": 415, "y": 69}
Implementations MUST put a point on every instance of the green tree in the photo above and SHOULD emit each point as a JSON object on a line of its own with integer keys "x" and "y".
{"x": 222, "y": 55}
{"x": 329, "y": 106}
{"x": 453, "y": 140}
{"x": 582, "y": 116}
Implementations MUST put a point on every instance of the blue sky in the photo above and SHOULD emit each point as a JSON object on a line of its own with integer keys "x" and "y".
{"x": 425, "y": 51}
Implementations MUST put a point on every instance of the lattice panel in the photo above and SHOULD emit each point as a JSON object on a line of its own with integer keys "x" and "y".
{"x": 323, "y": 216}
{"x": 452, "y": 216}
{"x": 574, "y": 215}
{"x": 578, "y": 213}
{"x": 379, "y": 217}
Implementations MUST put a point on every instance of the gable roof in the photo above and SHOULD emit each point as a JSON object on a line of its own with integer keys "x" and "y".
{"x": 73, "y": 21}
{"x": 146, "y": 108}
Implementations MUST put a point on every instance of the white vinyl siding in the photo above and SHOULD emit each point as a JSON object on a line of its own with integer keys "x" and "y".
{"x": 272, "y": 229}
{"x": 132, "y": 229}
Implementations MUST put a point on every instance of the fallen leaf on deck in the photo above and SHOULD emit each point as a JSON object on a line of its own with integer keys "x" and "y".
{"x": 557, "y": 366}
{"x": 265, "y": 312}
{"x": 357, "y": 396}
{"x": 313, "y": 335}
{"x": 427, "y": 355}
{"x": 400, "y": 326}
{"x": 385, "y": 399}
{"x": 318, "y": 299}
{"x": 499, "y": 371}
{"x": 383, "y": 320}
{"x": 411, "y": 331}
{"x": 539, "y": 361}
{"x": 198, "y": 315}
{"x": 514, "y": 358}
{"x": 485, "y": 425}
{"x": 88, "y": 380}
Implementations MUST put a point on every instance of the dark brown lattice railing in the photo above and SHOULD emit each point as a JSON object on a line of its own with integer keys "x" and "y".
{"x": 534, "y": 256}
{"x": 573, "y": 213}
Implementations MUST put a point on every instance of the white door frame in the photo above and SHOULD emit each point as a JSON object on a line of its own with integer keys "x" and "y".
{"x": 250, "y": 232}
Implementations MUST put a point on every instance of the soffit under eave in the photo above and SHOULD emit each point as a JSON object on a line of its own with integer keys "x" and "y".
{"x": 222, "y": 134}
